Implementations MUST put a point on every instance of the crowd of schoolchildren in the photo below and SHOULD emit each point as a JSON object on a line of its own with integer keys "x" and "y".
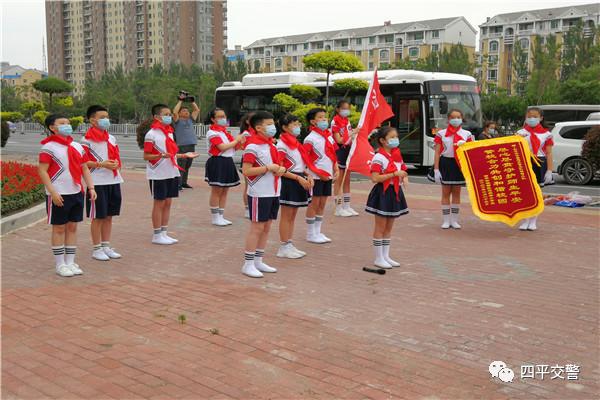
{"x": 280, "y": 177}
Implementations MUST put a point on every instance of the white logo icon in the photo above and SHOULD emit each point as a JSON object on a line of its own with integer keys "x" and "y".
{"x": 506, "y": 375}
{"x": 495, "y": 367}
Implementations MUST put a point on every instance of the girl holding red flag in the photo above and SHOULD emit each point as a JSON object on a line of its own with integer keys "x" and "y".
{"x": 342, "y": 131}
{"x": 261, "y": 168}
{"x": 220, "y": 171}
{"x": 446, "y": 170}
{"x": 62, "y": 165}
{"x": 162, "y": 170}
{"x": 321, "y": 148}
{"x": 104, "y": 164}
{"x": 386, "y": 200}
{"x": 540, "y": 143}
{"x": 295, "y": 183}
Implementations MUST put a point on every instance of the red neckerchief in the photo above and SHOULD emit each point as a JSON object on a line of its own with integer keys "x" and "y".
{"x": 391, "y": 168}
{"x": 533, "y": 138}
{"x": 292, "y": 142}
{"x": 170, "y": 144}
{"x": 451, "y": 130}
{"x": 330, "y": 148}
{"x": 251, "y": 132}
{"x": 219, "y": 128}
{"x": 341, "y": 124}
{"x": 75, "y": 158}
{"x": 259, "y": 140}
{"x": 98, "y": 135}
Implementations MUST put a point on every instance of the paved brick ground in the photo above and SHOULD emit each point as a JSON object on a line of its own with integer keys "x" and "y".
{"x": 321, "y": 327}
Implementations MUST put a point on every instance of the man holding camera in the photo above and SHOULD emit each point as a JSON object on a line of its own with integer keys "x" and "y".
{"x": 185, "y": 134}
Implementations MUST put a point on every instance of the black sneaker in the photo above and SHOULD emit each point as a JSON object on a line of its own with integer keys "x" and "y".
{"x": 186, "y": 186}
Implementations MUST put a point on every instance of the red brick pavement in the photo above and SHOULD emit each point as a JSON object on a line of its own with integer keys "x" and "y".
{"x": 320, "y": 327}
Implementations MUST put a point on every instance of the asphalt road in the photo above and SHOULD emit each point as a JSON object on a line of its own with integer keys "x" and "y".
{"x": 28, "y": 144}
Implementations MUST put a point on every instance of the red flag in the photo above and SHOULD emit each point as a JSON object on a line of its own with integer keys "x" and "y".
{"x": 374, "y": 112}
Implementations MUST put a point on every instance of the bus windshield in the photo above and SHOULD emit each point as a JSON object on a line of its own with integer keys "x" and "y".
{"x": 446, "y": 95}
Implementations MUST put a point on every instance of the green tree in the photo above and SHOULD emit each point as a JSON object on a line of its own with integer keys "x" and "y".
{"x": 505, "y": 109}
{"x": 9, "y": 100}
{"x": 330, "y": 61}
{"x": 286, "y": 102}
{"x": 350, "y": 85}
{"x": 455, "y": 59}
{"x": 76, "y": 121}
{"x": 52, "y": 86}
{"x": 28, "y": 108}
{"x": 305, "y": 92}
{"x": 40, "y": 116}
{"x": 581, "y": 49}
{"x": 520, "y": 71}
{"x": 12, "y": 116}
{"x": 542, "y": 87}
{"x": 582, "y": 88}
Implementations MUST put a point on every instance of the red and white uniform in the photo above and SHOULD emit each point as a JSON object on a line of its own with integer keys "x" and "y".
{"x": 57, "y": 156}
{"x": 545, "y": 139}
{"x": 380, "y": 163}
{"x": 267, "y": 184}
{"x": 448, "y": 142}
{"x": 345, "y": 131}
{"x": 161, "y": 168}
{"x": 215, "y": 138}
{"x": 291, "y": 159}
{"x": 98, "y": 151}
{"x": 319, "y": 149}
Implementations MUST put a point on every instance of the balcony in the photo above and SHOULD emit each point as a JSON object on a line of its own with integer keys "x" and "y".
{"x": 509, "y": 39}
{"x": 495, "y": 34}
{"x": 587, "y": 32}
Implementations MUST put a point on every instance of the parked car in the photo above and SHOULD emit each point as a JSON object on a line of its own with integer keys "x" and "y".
{"x": 595, "y": 116}
{"x": 568, "y": 162}
{"x": 556, "y": 113}
{"x": 12, "y": 127}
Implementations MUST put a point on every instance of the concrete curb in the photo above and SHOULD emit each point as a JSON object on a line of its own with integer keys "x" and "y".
{"x": 23, "y": 219}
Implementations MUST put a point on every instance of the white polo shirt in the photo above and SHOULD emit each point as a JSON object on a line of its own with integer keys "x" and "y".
{"x": 213, "y": 138}
{"x": 546, "y": 139}
{"x": 162, "y": 168}
{"x": 261, "y": 185}
{"x": 57, "y": 156}
{"x": 292, "y": 159}
{"x": 98, "y": 151}
{"x": 448, "y": 142}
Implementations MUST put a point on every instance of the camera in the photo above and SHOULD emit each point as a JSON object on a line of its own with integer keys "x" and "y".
{"x": 185, "y": 96}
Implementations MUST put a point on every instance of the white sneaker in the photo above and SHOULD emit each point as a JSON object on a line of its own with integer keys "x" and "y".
{"x": 381, "y": 263}
{"x": 288, "y": 252}
{"x": 100, "y": 255}
{"x": 392, "y": 262}
{"x": 75, "y": 269}
{"x": 219, "y": 222}
{"x": 225, "y": 221}
{"x": 455, "y": 225}
{"x": 352, "y": 211}
{"x": 247, "y": 214}
{"x": 340, "y": 212}
{"x": 302, "y": 253}
{"x": 325, "y": 238}
{"x": 169, "y": 238}
{"x": 446, "y": 225}
{"x": 251, "y": 271}
{"x": 524, "y": 225}
{"x": 262, "y": 267}
{"x": 532, "y": 226}
{"x": 160, "y": 239}
{"x": 64, "y": 271}
{"x": 315, "y": 239}
{"x": 111, "y": 252}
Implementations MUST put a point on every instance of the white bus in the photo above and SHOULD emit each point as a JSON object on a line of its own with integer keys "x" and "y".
{"x": 420, "y": 101}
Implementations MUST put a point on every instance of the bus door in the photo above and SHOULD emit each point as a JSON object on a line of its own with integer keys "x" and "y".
{"x": 408, "y": 118}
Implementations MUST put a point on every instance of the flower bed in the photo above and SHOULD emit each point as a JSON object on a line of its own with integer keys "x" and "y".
{"x": 21, "y": 186}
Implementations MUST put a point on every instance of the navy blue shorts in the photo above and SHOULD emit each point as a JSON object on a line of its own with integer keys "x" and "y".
{"x": 162, "y": 189}
{"x": 71, "y": 211}
{"x": 263, "y": 209}
{"x": 322, "y": 188}
{"x": 342, "y": 155}
{"x": 108, "y": 203}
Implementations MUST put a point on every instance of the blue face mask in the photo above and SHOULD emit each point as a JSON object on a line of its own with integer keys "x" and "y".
{"x": 103, "y": 123}
{"x": 271, "y": 130}
{"x": 492, "y": 131}
{"x": 222, "y": 122}
{"x": 65, "y": 130}
{"x": 393, "y": 142}
{"x": 322, "y": 125}
{"x": 456, "y": 122}
{"x": 344, "y": 113}
{"x": 167, "y": 119}
{"x": 296, "y": 131}
{"x": 532, "y": 122}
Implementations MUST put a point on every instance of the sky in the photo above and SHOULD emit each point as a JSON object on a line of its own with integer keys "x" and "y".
{"x": 24, "y": 24}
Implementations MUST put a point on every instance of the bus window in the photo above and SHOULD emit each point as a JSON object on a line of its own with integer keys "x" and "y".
{"x": 445, "y": 96}
{"x": 408, "y": 121}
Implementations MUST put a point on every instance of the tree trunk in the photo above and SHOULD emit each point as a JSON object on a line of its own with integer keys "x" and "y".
{"x": 327, "y": 91}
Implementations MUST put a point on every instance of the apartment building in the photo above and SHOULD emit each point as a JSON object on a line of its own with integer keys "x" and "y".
{"x": 22, "y": 79}
{"x": 500, "y": 34}
{"x": 374, "y": 46}
{"x": 86, "y": 38}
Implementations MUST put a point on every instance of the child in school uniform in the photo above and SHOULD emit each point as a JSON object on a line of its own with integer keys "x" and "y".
{"x": 446, "y": 170}
{"x": 246, "y": 131}
{"x": 386, "y": 200}
{"x": 220, "y": 171}
{"x": 342, "y": 131}
{"x": 261, "y": 168}
{"x": 540, "y": 143}
{"x": 162, "y": 171}
{"x": 62, "y": 165}
{"x": 104, "y": 164}
{"x": 296, "y": 183}
{"x": 321, "y": 148}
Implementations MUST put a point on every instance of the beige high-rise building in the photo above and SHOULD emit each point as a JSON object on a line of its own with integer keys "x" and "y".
{"x": 87, "y": 38}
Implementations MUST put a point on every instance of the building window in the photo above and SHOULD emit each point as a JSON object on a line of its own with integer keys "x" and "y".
{"x": 384, "y": 55}
{"x": 278, "y": 63}
{"x": 372, "y": 40}
{"x": 492, "y": 60}
{"x": 554, "y": 24}
{"x": 436, "y": 34}
{"x": 484, "y": 31}
{"x": 305, "y": 46}
{"x": 526, "y": 27}
{"x": 370, "y": 53}
{"x": 418, "y": 35}
{"x": 492, "y": 74}
{"x": 327, "y": 47}
{"x": 494, "y": 46}
{"x": 413, "y": 52}
{"x": 358, "y": 53}
{"x": 370, "y": 65}
{"x": 435, "y": 48}
{"x": 399, "y": 42}
{"x": 524, "y": 43}
{"x": 358, "y": 41}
